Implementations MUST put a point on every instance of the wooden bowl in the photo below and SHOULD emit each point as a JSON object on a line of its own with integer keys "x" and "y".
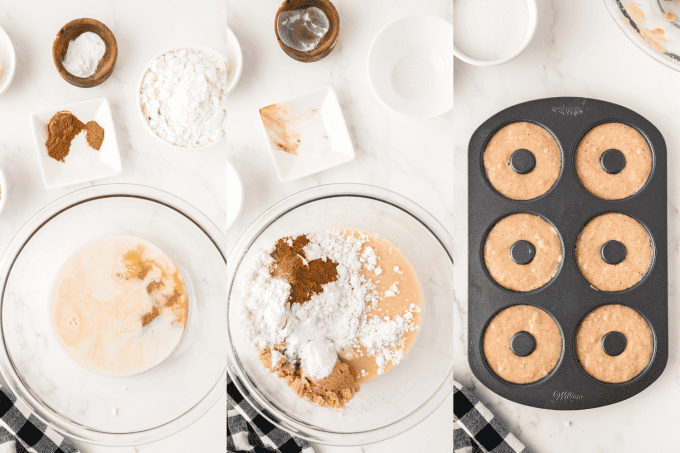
{"x": 70, "y": 32}
{"x": 327, "y": 43}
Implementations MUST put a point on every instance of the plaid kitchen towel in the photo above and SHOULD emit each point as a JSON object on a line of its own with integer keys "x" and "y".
{"x": 21, "y": 431}
{"x": 248, "y": 430}
{"x": 476, "y": 430}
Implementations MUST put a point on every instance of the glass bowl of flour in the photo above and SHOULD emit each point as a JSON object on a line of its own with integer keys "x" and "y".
{"x": 182, "y": 97}
{"x": 395, "y": 401}
{"x": 171, "y": 366}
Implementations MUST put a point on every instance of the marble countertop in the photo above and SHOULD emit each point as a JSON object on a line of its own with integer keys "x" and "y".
{"x": 142, "y": 29}
{"x": 578, "y": 50}
{"x": 410, "y": 157}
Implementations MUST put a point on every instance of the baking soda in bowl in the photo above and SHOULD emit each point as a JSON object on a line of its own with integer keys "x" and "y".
{"x": 489, "y": 30}
{"x": 119, "y": 306}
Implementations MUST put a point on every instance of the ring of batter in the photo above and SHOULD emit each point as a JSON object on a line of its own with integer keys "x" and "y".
{"x": 529, "y": 136}
{"x": 634, "y": 358}
{"x": 632, "y": 145}
{"x": 621, "y": 228}
{"x": 535, "y": 366}
{"x": 540, "y": 270}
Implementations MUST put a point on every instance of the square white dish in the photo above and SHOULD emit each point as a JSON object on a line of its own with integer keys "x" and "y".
{"x": 324, "y": 141}
{"x": 83, "y": 163}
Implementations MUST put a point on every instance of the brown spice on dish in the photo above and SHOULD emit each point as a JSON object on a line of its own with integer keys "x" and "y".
{"x": 95, "y": 135}
{"x": 669, "y": 16}
{"x": 306, "y": 278}
{"x": 333, "y": 391}
{"x": 279, "y": 128}
{"x": 63, "y": 128}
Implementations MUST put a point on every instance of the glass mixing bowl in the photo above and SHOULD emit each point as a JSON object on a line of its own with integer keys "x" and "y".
{"x": 400, "y": 399}
{"x": 114, "y": 411}
{"x": 652, "y": 25}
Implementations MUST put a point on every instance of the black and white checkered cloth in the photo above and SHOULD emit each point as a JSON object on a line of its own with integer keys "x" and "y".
{"x": 476, "y": 430}
{"x": 247, "y": 430}
{"x": 21, "y": 431}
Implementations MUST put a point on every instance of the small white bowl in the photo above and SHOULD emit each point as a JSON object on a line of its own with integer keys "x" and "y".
{"x": 324, "y": 139}
{"x": 410, "y": 66}
{"x": 3, "y": 190}
{"x": 234, "y": 195}
{"x": 234, "y": 60}
{"x": 531, "y": 30}
{"x": 206, "y": 50}
{"x": 88, "y": 166}
{"x": 8, "y": 60}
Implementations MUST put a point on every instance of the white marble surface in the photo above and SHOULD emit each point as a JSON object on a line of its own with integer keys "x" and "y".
{"x": 410, "y": 157}
{"x": 578, "y": 50}
{"x": 142, "y": 29}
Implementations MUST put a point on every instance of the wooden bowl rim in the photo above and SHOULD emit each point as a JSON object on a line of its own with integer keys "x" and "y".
{"x": 104, "y": 33}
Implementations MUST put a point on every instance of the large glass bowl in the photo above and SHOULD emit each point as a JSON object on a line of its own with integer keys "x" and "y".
{"x": 113, "y": 411}
{"x": 411, "y": 391}
{"x": 652, "y": 25}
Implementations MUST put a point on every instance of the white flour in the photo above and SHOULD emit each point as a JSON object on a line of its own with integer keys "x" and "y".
{"x": 184, "y": 97}
{"x": 334, "y": 320}
{"x": 489, "y": 29}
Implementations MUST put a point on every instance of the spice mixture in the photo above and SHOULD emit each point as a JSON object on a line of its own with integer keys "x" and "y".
{"x": 64, "y": 127}
{"x": 330, "y": 311}
{"x": 119, "y": 306}
{"x": 282, "y": 127}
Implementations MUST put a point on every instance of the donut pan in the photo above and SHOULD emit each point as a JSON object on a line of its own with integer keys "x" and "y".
{"x": 568, "y": 297}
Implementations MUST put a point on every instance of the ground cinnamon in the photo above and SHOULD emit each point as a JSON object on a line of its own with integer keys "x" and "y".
{"x": 95, "y": 135}
{"x": 62, "y": 129}
{"x": 306, "y": 278}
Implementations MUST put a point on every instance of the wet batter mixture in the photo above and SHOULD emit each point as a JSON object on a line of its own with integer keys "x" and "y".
{"x": 632, "y": 145}
{"x": 119, "y": 306}
{"x": 634, "y": 358}
{"x": 618, "y": 227}
{"x": 540, "y": 270}
{"x": 535, "y": 366}
{"x": 331, "y": 311}
{"x": 527, "y": 136}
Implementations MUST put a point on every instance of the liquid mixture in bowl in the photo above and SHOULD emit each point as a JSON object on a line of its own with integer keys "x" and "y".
{"x": 119, "y": 306}
{"x": 330, "y": 311}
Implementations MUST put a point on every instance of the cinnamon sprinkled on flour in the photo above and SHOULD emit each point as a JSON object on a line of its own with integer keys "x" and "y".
{"x": 305, "y": 278}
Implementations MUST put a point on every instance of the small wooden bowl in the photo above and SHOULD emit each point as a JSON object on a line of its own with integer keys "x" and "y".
{"x": 70, "y": 32}
{"x": 327, "y": 43}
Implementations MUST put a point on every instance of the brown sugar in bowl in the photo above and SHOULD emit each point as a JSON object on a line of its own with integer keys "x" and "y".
{"x": 71, "y": 31}
{"x": 327, "y": 43}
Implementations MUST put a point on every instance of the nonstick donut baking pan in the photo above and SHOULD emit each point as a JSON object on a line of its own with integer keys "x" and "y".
{"x": 568, "y": 297}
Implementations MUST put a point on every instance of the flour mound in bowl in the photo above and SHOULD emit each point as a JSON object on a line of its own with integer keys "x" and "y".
{"x": 330, "y": 311}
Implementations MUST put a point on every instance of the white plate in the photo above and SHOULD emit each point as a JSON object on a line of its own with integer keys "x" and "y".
{"x": 410, "y": 66}
{"x": 234, "y": 195}
{"x": 8, "y": 61}
{"x": 82, "y": 163}
{"x": 234, "y": 60}
{"x": 203, "y": 49}
{"x": 324, "y": 139}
